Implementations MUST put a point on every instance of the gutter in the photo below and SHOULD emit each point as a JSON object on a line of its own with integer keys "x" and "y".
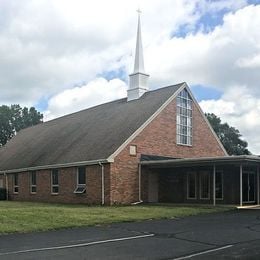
{"x": 62, "y": 165}
{"x": 195, "y": 161}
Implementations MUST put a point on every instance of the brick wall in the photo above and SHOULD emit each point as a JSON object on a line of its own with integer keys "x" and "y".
{"x": 67, "y": 185}
{"x": 159, "y": 138}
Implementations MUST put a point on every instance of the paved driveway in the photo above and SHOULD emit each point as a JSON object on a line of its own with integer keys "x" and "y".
{"x": 234, "y": 234}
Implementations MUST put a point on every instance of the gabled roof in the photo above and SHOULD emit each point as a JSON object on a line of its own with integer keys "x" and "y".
{"x": 88, "y": 135}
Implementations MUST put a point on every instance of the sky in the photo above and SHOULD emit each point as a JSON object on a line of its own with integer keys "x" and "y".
{"x": 62, "y": 56}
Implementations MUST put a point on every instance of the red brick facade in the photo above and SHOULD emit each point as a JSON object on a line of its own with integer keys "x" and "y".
{"x": 159, "y": 138}
{"x": 121, "y": 177}
{"x": 67, "y": 185}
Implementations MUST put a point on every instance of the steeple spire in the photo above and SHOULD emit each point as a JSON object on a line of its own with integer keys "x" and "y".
{"x": 139, "y": 57}
{"x": 138, "y": 79}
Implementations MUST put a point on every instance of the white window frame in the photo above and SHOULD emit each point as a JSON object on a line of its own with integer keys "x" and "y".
{"x": 81, "y": 188}
{"x": 15, "y": 186}
{"x": 188, "y": 188}
{"x": 54, "y": 185}
{"x": 33, "y": 185}
{"x": 200, "y": 176}
{"x": 133, "y": 150}
{"x": 222, "y": 184}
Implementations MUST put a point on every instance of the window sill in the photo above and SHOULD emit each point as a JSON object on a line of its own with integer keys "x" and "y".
{"x": 80, "y": 193}
{"x": 188, "y": 145}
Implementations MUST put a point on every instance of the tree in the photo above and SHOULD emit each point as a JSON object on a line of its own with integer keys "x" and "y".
{"x": 229, "y": 136}
{"x": 6, "y": 129}
{"x": 14, "y": 118}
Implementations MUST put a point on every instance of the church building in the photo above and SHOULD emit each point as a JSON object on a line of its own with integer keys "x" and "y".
{"x": 152, "y": 146}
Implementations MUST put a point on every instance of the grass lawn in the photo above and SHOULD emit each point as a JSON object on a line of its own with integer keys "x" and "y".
{"x": 29, "y": 216}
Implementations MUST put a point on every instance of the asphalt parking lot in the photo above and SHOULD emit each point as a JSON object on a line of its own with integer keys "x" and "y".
{"x": 230, "y": 235}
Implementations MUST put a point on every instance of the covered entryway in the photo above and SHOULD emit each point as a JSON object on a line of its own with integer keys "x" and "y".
{"x": 215, "y": 180}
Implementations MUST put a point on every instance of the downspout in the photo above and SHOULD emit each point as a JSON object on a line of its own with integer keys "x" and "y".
{"x": 6, "y": 185}
{"x": 102, "y": 183}
{"x": 139, "y": 186}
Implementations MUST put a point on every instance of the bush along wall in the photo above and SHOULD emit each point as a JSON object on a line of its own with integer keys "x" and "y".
{"x": 2, "y": 194}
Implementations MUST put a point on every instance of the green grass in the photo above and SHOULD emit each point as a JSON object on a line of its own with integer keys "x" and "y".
{"x": 29, "y": 216}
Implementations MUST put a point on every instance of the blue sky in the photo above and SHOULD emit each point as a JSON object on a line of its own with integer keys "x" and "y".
{"x": 204, "y": 93}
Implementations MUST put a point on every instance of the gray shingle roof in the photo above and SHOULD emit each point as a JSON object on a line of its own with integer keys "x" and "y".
{"x": 90, "y": 134}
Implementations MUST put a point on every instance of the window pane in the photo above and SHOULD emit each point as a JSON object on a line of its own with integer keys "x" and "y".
{"x": 55, "y": 177}
{"x": 178, "y": 119}
{"x": 219, "y": 185}
{"x": 178, "y": 139}
{"x": 189, "y": 105}
{"x": 184, "y": 120}
{"x": 189, "y": 121}
{"x": 80, "y": 189}
{"x": 192, "y": 185}
{"x": 189, "y": 140}
{"x": 178, "y": 101}
{"x": 184, "y": 130}
{"x": 178, "y": 129}
{"x": 189, "y": 131}
{"x": 55, "y": 189}
{"x": 16, "y": 179}
{"x": 81, "y": 175}
{"x": 33, "y": 178}
{"x": 204, "y": 185}
{"x": 178, "y": 110}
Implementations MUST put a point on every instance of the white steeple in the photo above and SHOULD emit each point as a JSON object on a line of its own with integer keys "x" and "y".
{"x": 138, "y": 80}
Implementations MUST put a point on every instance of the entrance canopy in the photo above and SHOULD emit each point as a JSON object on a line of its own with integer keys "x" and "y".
{"x": 155, "y": 162}
{"x": 241, "y": 172}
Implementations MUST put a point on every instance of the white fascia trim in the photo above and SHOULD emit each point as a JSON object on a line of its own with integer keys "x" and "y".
{"x": 147, "y": 122}
{"x": 62, "y": 165}
{"x": 206, "y": 120}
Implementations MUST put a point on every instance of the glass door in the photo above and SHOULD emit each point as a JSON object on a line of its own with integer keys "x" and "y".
{"x": 248, "y": 181}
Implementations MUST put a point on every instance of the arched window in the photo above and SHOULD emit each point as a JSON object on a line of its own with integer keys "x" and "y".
{"x": 184, "y": 118}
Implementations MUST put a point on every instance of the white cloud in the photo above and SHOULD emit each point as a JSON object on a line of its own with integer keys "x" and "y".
{"x": 212, "y": 58}
{"x": 240, "y": 109}
{"x": 249, "y": 62}
{"x": 95, "y": 92}
{"x": 48, "y": 47}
